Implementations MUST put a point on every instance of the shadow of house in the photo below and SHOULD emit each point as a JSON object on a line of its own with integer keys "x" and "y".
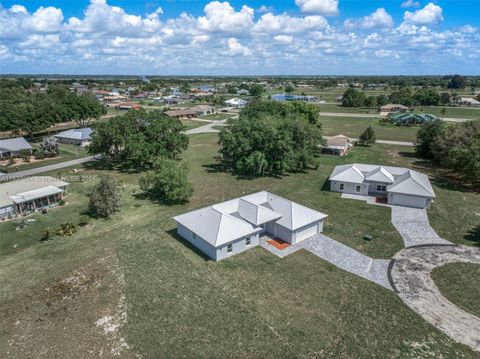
{"x": 173, "y": 233}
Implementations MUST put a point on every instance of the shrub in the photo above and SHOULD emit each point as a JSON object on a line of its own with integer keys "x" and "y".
{"x": 104, "y": 199}
{"x": 367, "y": 138}
{"x": 66, "y": 229}
{"x": 167, "y": 182}
{"x": 46, "y": 234}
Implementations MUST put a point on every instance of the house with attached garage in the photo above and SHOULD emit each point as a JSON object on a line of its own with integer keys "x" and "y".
{"x": 27, "y": 195}
{"x": 231, "y": 227}
{"x": 399, "y": 186}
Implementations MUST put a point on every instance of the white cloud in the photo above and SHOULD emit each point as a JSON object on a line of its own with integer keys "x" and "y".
{"x": 284, "y": 38}
{"x": 235, "y": 48}
{"x": 321, "y": 7}
{"x": 103, "y": 18}
{"x": 45, "y": 19}
{"x": 221, "y": 16}
{"x": 18, "y": 9}
{"x": 228, "y": 40}
{"x": 379, "y": 18}
{"x": 410, "y": 3}
{"x": 386, "y": 53}
{"x": 430, "y": 14}
{"x": 284, "y": 23}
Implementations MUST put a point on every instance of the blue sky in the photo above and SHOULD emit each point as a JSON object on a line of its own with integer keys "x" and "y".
{"x": 288, "y": 37}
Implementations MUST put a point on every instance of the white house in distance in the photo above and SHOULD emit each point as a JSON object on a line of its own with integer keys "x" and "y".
{"x": 77, "y": 136}
{"x": 30, "y": 194}
{"x": 337, "y": 145}
{"x": 234, "y": 226}
{"x": 401, "y": 186}
{"x": 12, "y": 146}
{"x": 469, "y": 102}
{"x": 236, "y": 102}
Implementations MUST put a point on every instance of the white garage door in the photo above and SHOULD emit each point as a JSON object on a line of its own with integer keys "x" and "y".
{"x": 409, "y": 201}
{"x": 306, "y": 233}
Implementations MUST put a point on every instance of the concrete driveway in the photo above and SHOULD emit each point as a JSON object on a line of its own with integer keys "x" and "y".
{"x": 414, "y": 227}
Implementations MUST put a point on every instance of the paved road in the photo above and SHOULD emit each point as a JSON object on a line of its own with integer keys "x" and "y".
{"x": 376, "y": 115}
{"x": 47, "y": 168}
{"x": 411, "y": 274}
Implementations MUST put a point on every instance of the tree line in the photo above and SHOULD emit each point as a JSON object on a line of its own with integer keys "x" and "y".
{"x": 453, "y": 146}
{"x": 406, "y": 96}
{"x": 26, "y": 112}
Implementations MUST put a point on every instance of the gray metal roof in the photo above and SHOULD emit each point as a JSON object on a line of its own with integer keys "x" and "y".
{"x": 14, "y": 144}
{"x": 402, "y": 180}
{"x": 76, "y": 134}
{"x": 230, "y": 220}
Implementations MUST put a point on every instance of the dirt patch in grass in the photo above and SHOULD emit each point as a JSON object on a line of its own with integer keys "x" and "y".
{"x": 77, "y": 315}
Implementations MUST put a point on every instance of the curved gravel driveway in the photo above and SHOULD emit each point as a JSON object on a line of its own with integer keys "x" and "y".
{"x": 410, "y": 274}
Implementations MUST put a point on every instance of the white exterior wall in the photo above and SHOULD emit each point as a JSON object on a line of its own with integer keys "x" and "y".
{"x": 373, "y": 188}
{"x": 239, "y": 246}
{"x": 349, "y": 187}
{"x": 409, "y": 200}
{"x": 198, "y": 242}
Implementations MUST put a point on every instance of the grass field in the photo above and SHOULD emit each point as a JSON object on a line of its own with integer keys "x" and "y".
{"x": 152, "y": 295}
{"x": 458, "y": 282}
{"x": 67, "y": 153}
{"x": 189, "y": 124}
{"x": 353, "y": 127}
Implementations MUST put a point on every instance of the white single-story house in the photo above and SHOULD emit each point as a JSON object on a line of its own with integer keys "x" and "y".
{"x": 236, "y": 102}
{"x": 12, "y": 146}
{"x": 27, "y": 195}
{"x": 401, "y": 186}
{"x": 77, "y": 136}
{"x": 231, "y": 227}
{"x": 337, "y": 145}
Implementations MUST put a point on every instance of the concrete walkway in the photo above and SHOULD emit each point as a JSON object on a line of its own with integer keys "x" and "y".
{"x": 414, "y": 227}
{"x": 411, "y": 275}
{"x": 53, "y": 167}
{"x": 207, "y": 128}
{"x": 340, "y": 255}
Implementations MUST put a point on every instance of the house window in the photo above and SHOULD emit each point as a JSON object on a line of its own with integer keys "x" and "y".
{"x": 248, "y": 241}
{"x": 229, "y": 248}
{"x": 194, "y": 236}
{"x": 357, "y": 188}
{"x": 381, "y": 188}
{"x": 341, "y": 186}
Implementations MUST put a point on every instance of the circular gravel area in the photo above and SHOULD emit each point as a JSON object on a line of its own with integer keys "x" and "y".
{"x": 410, "y": 274}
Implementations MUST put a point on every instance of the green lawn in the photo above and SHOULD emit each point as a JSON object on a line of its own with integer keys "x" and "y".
{"x": 189, "y": 124}
{"x": 67, "y": 153}
{"x": 178, "y": 304}
{"x": 453, "y": 112}
{"x": 353, "y": 127}
{"x": 458, "y": 282}
{"x": 216, "y": 117}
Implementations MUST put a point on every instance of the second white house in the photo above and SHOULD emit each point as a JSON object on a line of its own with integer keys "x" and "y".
{"x": 234, "y": 226}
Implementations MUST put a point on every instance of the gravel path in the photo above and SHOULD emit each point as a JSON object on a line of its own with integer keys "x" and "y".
{"x": 340, "y": 255}
{"x": 411, "y": 277}
{"x": 414, "y": 227}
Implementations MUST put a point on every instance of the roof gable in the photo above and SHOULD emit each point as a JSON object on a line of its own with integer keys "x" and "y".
{"x": 380, "y": 174}
{"x": 412, "y": 183}
{"x": 14, "y": 144}
{"x": 347, "y": 173}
